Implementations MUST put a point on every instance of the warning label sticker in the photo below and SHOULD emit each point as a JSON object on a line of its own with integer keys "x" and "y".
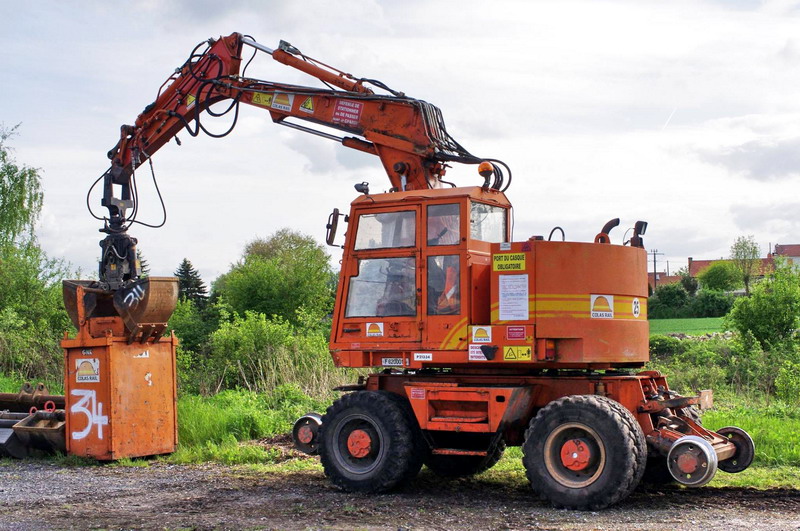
{"x": 374, "y": 329}
{"x": 602, "y": 307}
{"x": 307, "y": 105}
{"x": 417, "y": 393}
{"x": 481, "y": 334}
{"x": 87, "y": 370}
{"x": 476, "y": 354}
{"x": 347, "y": 112}
{"x": 262, "y": 99}
{"x": 515, "y": 332}
{"x": 190, "y": 99}
{"x": 517, "y": 353}
{"x": 282, "y": 102}
{"x": 508, "y": 262}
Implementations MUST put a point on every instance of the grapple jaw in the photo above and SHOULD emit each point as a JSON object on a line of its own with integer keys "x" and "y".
{"x": 140, "y": 310}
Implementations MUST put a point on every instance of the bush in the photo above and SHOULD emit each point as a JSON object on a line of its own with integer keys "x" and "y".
{"x": 665, "y": 346}
{"x": 260, "y": 354}
{"x": 711, "y": 304}
{"x": 668, "y": 302}
{"x": 771, "y": 314}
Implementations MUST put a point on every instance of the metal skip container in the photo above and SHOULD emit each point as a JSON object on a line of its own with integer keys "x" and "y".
{"x": 119, "y": 370}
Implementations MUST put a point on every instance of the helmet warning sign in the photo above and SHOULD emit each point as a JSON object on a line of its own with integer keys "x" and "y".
{"x": 508, "y": 262}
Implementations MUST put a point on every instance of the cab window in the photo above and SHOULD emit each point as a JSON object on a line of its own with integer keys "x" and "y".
{"x": 444, "y": 227}
{"x": 386, "y": 230}
{"x": 444, "y": 291}
{"x": 487, "y": 223}
{"x": 383, "y": 287}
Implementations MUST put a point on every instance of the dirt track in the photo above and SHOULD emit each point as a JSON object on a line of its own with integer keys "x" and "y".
{"x": 42, "y": 495}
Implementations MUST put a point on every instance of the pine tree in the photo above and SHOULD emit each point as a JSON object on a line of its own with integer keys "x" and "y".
{"x": 144, "y": 265}
{"x": 190, "y": 285}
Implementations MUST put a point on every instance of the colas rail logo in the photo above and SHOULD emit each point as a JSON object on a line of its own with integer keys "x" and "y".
{"x": 374, "y": 329}
{"x": 481, "y": 334}
{"x": 602, "y": 307}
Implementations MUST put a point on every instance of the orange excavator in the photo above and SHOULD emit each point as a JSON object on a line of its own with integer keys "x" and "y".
{"x": 476, "y": 342}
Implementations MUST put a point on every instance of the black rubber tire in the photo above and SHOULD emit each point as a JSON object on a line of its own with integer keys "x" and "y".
{"x": 459, "y": 466}
{"x": 394, "y": 456}
{"x": 619, "y": 452}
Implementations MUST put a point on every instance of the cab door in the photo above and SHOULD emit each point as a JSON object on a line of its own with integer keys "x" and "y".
{"x": 443, "y": 254}
{"x": 382, "y": 303}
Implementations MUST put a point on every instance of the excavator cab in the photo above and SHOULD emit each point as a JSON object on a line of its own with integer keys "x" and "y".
{"x": 408, "y": 270}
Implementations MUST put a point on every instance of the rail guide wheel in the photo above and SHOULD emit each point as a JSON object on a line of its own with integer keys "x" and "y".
{"x": 305, "y": 433}
{"x": 692, "y": 461}
{"x": 584, "y": 452}
{"x": 745, "y": 450}
{"x": 368, "y": 442}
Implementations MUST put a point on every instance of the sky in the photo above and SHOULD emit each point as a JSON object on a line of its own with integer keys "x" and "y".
{"x": 684, "y": 114}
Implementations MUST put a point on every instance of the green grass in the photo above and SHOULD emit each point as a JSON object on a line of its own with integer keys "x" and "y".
{"x": 691, "y": 327}
{"x": 212, "y": 428}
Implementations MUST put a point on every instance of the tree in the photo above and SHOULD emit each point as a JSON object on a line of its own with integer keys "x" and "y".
{"x": 144, "y": 265}
{"x": 746, "y": 257}
{"x": 720, "y": 276}
{"x": 688, "y": 282}
{"x": 20, "y": 193}
{"x": 278, "y": 276}
{"x": 190, "y": 285}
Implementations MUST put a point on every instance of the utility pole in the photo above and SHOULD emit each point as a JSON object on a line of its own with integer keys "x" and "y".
{"x": 655, "y": 252}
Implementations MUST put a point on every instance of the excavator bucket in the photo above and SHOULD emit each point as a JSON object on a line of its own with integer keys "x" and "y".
{"x": 145, "y": 306}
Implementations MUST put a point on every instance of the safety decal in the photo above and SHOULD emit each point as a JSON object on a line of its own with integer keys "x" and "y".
{"x": 505, "y": 246}
{"x": 282, "y": 102}
{"x": 190, "y": 99}
{"x": 423, "y": 356}
{"x": 308, "y": 105}
{"x": 481, "y": 334}
{"x": 515, "y": 332}
{"x": 475, "y": 353}
{"x": 87, "y": 370}
{"x": 392, "y": 362}
{"x": 347, "y": 112}
{"x": 374, "y": 329}
{"x": 508, "y": 262}
{"x": 417, "y": 393}
{"x": 602, "y": 306}
{"x": 517, "y": 353}
{"x": 262, "y": 99}
{"x": 636, "y": 308}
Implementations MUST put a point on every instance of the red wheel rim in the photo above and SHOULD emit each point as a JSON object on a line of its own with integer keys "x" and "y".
{"x": 359, "y": 443}
{"x": 576, "y": 454}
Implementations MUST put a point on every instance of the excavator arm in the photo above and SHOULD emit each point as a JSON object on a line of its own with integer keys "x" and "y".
{"x": 407, "y": 134}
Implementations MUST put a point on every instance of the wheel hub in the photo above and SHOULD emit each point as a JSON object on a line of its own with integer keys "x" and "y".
{"x": 359, "y": 443}
{"x": 576, "y": 454}
{"x": 305, "y": 435}
{"x": 688, "y": 463}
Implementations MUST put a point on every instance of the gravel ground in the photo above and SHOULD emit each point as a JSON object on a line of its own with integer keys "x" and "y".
{"x": 42, "y": 495}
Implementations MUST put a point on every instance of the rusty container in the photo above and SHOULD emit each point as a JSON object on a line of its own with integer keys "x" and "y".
{"x": 119, "y": 371}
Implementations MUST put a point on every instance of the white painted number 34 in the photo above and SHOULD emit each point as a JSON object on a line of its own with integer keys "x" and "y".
{"x": 89, "y": 406}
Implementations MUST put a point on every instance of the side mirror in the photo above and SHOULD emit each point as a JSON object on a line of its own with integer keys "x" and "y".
{"x": 333, "y": 224}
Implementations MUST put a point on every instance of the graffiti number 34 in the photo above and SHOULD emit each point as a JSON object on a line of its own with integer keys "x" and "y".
{"x": 89, "y": 406}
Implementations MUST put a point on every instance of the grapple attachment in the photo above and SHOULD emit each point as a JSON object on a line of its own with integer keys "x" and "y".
{"x": 144, "y": 306}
